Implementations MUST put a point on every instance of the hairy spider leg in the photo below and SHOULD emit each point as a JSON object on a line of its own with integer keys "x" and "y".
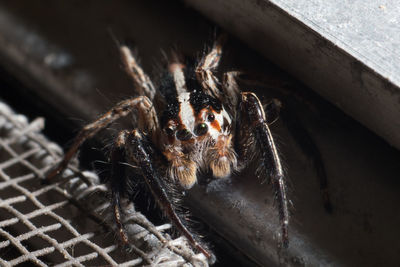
{"x": 252, "y": 111}
{"x": 204, "y": 70}
{"x": 142, "y": 82}
{"x": 300, "y": 134}
{"x": 147, "y": 119}
{"x": 138, "y": 151}
{"x": 117, "y": 175}
{"x": 176, "y": 68}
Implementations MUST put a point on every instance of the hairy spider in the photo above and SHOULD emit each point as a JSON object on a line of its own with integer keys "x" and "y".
{"x": 195, "y": 122}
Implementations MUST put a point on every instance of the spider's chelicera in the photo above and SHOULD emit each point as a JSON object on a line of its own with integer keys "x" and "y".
{"x": 197, "y": 123}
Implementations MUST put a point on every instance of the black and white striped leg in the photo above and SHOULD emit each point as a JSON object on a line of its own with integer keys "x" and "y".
{"x": 252, "y": 114}
{"x": 139, "y": 151}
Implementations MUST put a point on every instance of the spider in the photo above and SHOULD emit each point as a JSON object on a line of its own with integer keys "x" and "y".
{"x": 196, "y": 123}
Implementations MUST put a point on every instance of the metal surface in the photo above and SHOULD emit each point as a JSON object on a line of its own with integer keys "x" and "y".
{"x": 69, "y": 223}
{"x": 362, "y": 170}
{"x": 346, "y": 51}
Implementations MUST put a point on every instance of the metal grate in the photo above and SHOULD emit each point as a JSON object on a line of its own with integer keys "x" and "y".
{"x": 68, "y": 223}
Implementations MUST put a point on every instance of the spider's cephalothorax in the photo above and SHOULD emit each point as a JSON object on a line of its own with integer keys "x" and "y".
{"x": 197, "y": 135}
{"x": 197, "y": 123}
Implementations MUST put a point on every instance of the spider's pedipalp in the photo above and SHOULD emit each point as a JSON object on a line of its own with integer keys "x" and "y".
{"x": 221, "y": 158}
{"x": 181, "y": 168}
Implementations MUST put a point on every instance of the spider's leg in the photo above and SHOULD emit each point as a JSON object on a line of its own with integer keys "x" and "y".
{"x": 142, "y": 82}
{"x": 231, "y": 92}
{"x": 177, "y": 69}
{"x": 139, "y": 150}
{"x": 206, "y": 66}
{"x": 117, "y": 183}
{"x": 310, "y": 149}
{"x": 302, "y": 137}
{"x": 147, "y": 120}
{"x": 253, "y": 115}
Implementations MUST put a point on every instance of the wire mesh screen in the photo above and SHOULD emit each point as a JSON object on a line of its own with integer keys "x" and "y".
{"x": 68, "y": 223}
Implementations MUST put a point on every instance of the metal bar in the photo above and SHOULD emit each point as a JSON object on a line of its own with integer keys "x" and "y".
{"x": 348, "y": 52}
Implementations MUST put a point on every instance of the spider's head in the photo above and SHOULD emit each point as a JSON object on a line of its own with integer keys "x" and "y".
{"x": 194, "y": 117}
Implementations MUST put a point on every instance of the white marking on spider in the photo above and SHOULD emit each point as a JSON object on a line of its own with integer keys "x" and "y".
{"x": 186, "y": 112}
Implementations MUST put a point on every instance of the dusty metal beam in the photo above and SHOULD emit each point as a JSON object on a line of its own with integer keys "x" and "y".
{"x": 348, "y": 51}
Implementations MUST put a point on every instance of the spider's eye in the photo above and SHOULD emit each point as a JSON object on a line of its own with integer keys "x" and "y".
{"x": 169, "y": 131}
{"x": 210, "y": 117}
{"x": 183, "y": 135}
{"x": 201, "y": 129}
